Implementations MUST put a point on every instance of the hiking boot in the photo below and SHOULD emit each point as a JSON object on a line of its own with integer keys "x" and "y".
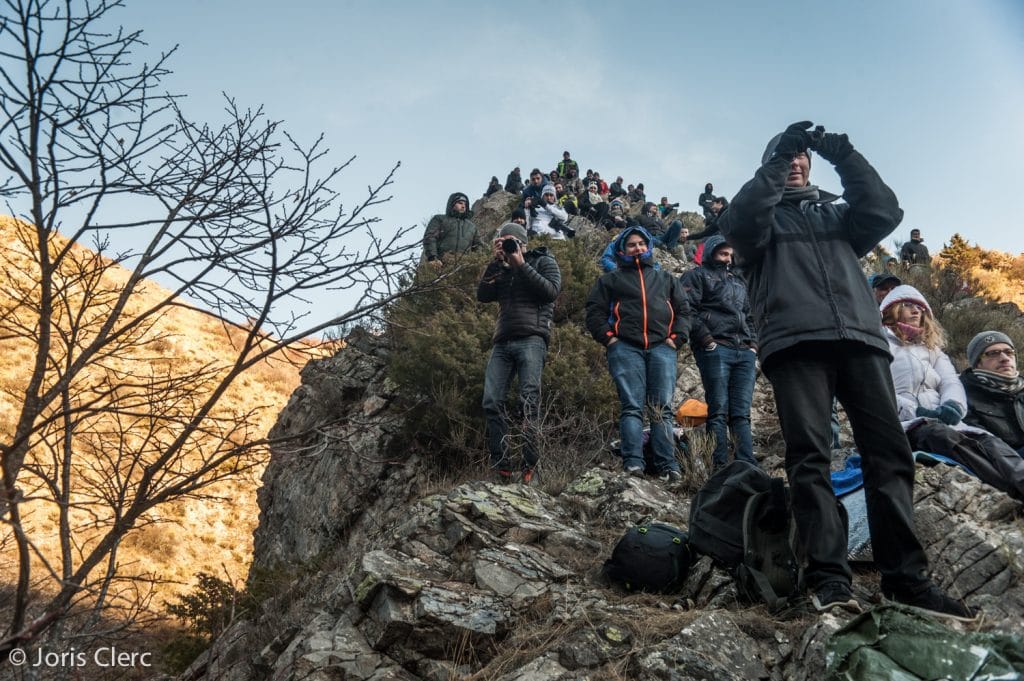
{"x": 531, "y": 477}
{"x": 503, "y": 477}
{"x": 832, "y": 595}
{"x": 671, "y": 477}
{"x": 931, "y": 599}
{"x": 635, "y": 471}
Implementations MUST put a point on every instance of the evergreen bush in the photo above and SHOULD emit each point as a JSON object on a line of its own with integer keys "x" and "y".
{"x": 441, "y": 340}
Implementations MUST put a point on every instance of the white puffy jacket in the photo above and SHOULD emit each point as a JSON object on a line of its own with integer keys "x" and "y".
{"x": 924, "y": 378}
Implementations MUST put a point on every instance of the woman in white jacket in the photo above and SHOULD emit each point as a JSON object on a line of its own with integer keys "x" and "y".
{"x": 931, "y": 399}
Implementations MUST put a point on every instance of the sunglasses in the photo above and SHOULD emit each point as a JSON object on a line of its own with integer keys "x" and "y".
{"x": 991, "y": 354}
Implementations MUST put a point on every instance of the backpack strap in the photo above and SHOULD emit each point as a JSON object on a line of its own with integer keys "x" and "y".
{"x": 751, "y": 576}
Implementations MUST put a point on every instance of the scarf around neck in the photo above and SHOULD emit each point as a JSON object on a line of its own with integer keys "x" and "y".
{"x": 1000, "y": 382}
{"x": 798, "y": 194}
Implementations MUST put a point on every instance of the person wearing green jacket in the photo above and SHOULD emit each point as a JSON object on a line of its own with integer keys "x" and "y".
{"x": 453, "y": 232}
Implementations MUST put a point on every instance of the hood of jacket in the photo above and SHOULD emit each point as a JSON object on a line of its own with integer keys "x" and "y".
{"x": 713, "y": 242}
{"x": 451, "y": 202}
{"x": 620, "y": 247}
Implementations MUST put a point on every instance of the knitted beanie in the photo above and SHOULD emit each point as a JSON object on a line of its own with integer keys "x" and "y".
{"x": 904, "y": 293}
{"x": 982, "y": 342}
{"x": 513, "y": 229}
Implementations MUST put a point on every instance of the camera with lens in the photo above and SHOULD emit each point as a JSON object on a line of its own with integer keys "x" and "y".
{"x": 510, "y": 245}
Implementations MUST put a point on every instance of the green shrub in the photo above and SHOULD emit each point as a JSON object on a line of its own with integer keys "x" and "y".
{"x": 441, "y": 340}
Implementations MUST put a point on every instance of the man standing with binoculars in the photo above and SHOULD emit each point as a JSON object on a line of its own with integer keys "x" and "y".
{"x": 525, "y": 285}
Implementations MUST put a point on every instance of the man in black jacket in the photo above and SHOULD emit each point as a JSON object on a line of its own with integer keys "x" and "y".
{"x": 819, "y": 337}
{"x": 639, "y": 313}
{"x": 525, "y": 285}
{"x": 724, "y": 347}
{"x": 914, "y": 252}
{"x": 995, "y": 388}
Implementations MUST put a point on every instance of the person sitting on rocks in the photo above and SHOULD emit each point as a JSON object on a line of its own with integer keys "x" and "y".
{"x": 995, "y": 388}
{"x": 882, "y": 283}
{"x": 602, "y": 186}
{"x": 548, "y": 218}
{"x": 573, "y": 183}
{"x": 689, "y": 247}
{"x": 665, "y": 208}
{"x": 615, "y": 189}
{"x": 931, "y": 399}
{"x": 453, "y": 232}
{"x": 494, "y": 186}
{"x": 514, "y": 181}
{"x": 639, "y": 313}
{"x": 616, "y": 218}
{"x": 636, "y": 195}
{"x": 592, "y": 204}
{"x": 532, "y": 192}
{"x": 519, "y": 217}
{"x": 664, "y": 237}
{"x": 725, "y": 349}
{"x": 567, "y": 200}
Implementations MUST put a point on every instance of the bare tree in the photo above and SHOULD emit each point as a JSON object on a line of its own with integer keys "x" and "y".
{"x": 239, "y": 218}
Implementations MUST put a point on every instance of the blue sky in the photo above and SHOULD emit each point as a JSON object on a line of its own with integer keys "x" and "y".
{"x": 672, "y": 94}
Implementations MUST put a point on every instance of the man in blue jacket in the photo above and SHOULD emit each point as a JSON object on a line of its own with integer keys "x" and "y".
{"x": 819, "y": 337}
{"x": 639, "y": 313}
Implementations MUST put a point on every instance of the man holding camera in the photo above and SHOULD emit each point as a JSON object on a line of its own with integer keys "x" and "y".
{"x": 525, "y": 285}
{"x": 819, "y": 338}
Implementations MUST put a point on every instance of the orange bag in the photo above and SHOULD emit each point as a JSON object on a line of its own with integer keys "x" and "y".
{"x": 692, "y": 413}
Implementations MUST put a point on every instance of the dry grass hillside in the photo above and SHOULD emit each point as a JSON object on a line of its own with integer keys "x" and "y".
{"x": 212, "y": 534}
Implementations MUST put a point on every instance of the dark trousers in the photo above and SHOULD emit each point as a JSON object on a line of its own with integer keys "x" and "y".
{"x": 991, "y": 459}
{"x": 523, "y": 357}
{"x": 805, "y": 378}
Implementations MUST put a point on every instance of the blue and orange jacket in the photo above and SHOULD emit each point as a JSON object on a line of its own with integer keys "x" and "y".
{"x": 637, "y": 303}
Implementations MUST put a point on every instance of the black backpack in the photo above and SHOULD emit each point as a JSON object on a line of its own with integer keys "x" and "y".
{"x": 653, "y": 558}
{"x": 742, "y": 520}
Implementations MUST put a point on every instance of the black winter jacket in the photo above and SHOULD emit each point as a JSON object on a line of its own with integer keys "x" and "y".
{"x": 514, "y": 182}
{"x": 719, "y": 305}
{"x": 915, "y": 253}
{"x": 801, "y": 259}
{"x": 637, "y": 303}
{"x": 525, "y": 295}
{"x": 997, "y": 411}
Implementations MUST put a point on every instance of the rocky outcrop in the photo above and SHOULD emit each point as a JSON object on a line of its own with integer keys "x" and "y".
{"x": 377, "y": 578}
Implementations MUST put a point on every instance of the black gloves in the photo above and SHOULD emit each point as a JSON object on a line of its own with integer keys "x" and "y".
{"x": 833, "y": 147}
{"x": 794, "y": 140}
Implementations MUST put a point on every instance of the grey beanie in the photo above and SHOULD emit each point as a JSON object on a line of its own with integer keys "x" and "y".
{"x": 512, "y": 229}
{"x": 982, "y": 342}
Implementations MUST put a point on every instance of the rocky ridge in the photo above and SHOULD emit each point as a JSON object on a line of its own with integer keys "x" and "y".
{"x": 381, "y": 571}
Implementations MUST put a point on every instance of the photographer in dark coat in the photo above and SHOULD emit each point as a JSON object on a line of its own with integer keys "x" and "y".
{"x": 819, "y": 337}
{"x": 525, "y": 285}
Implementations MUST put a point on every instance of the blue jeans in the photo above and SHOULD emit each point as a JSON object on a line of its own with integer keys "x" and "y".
{"x": 525, "y": 357}
{"x": 670, "y": 239}
{"x": 728, "y": 376}
{"x": 645, "y": 378}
